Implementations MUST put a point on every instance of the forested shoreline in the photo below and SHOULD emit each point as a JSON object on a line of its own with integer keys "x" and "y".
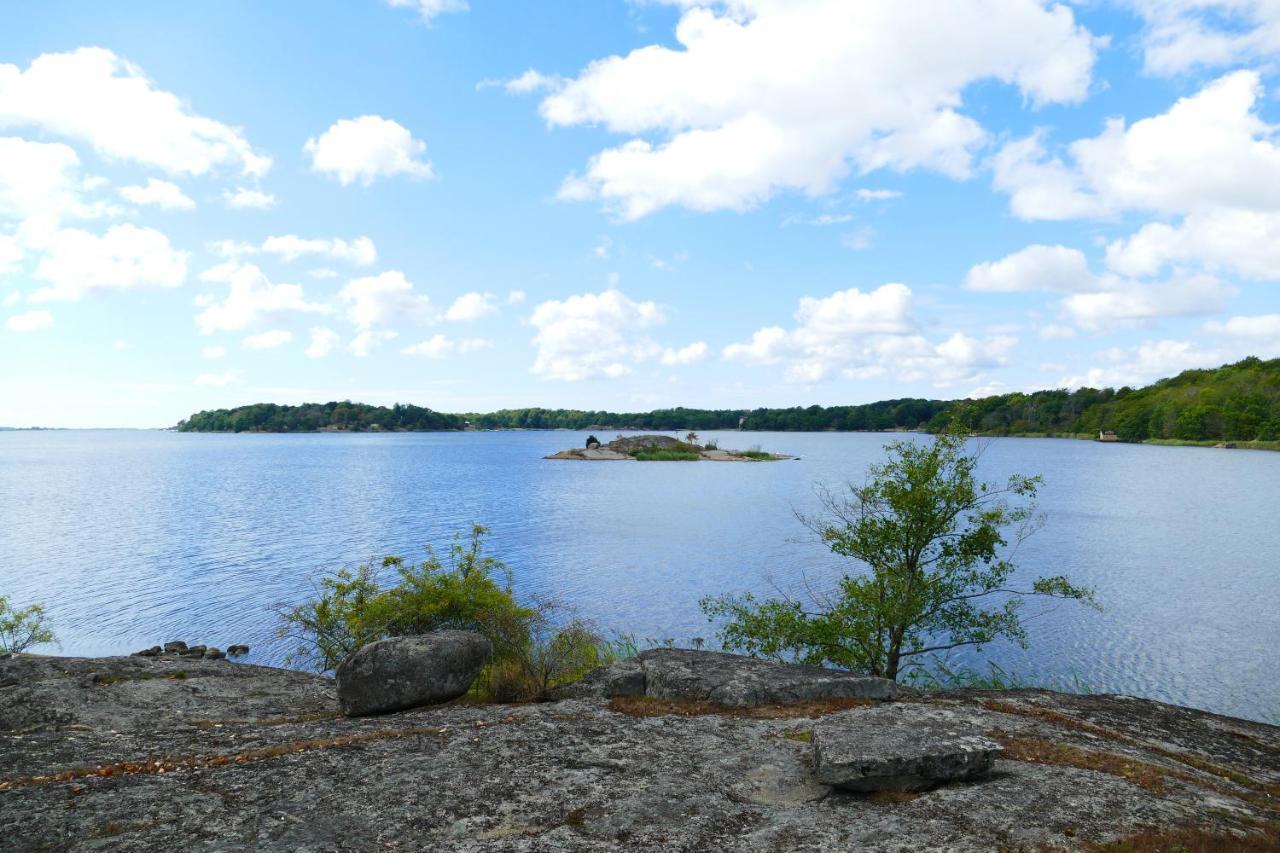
{"x": 1236, "y": 402}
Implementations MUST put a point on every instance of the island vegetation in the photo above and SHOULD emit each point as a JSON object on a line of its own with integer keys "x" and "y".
{"x": 1234, "y": 403}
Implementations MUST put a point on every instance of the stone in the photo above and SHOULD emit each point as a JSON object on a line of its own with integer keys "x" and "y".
{"x": 194, "y": 652}
{"x": 408, "y": 672}
{"x": 725, "y": 679}
{"x": 237, "y": 650}
{"x": 898, "y": 747}
{"x": 214, "y": 654}
{"x": 175, "y": 646}
{"x": 152, "y": 652}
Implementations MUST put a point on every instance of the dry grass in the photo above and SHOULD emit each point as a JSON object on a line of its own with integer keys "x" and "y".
{"x": 647, "y": 706}
{"x": 1193, "y": 841}
{"x": 1040, "y": 751}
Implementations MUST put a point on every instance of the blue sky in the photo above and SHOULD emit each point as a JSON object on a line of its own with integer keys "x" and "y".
{"x": 626, "y": 205}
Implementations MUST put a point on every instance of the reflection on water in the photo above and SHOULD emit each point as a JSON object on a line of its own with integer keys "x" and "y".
{"x": 133, "y": 538}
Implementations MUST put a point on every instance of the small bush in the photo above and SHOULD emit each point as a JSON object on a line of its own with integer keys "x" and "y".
{"x": 22, "y": 629}
{"x": 665, "y": 456}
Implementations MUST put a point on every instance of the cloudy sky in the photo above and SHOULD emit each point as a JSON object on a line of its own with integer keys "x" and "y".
{"x": 626, "y": 205}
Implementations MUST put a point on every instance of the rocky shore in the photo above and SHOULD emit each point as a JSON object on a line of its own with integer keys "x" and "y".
{"x": 669, "y": 751}
{"x": 632, "y": 447}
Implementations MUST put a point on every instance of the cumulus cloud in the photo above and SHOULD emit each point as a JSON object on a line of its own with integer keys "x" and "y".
{"x": 1152, "y": 360}
{"x": 379, "y": 299}
{"x": 471, "y": 306}
{"x": 1209, "y": 151}
{"x": 864, "y": 335}
{"x": 30, "y": 321}
{"x": 1037, "y": 267}
{"x": 429, "y": 9}
{"x": 268, "y": 340}
{"x": 1242, "y": 242}
{"x": 366, "y": 148}
{"x": 244, "y": 198}
{"x": 368, "y": 340}
{"x": 1264, "y": 326}
{"x": 96, "y": 97}
{"x": 691, "y": 354}
{"x": 252, "y": 299}
{"x": 289, "y": 247}
{"x": 165, "y": 195}
{"x": 755, "y": 99}
{"x": 593, "y": 335}
{"x": 41, "y": 184}
{"x": 439, "y": 346}
{"x": 76, "y": 262}
{"x": 322, "y": 343}
{"x": 1182, "y": 35}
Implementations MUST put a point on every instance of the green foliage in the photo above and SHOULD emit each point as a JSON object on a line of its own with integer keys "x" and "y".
{"x": 930, "y": 539}
{"x": 656, "y": 455}
{"x": 467, "y": 590}
{"x": 312, "y": 417}
{"x": 22, "y": 629}
{"x": 1236, "y": 402}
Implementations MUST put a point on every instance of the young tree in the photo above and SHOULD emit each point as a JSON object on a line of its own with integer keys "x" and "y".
{"x": 931, "y": 538}
{"x": 21, "y": 629}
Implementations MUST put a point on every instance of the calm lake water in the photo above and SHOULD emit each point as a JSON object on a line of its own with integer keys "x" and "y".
{"x": 134, "y": 538}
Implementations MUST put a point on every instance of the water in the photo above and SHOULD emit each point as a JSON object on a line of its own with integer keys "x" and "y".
{"x": 134, "y": 538}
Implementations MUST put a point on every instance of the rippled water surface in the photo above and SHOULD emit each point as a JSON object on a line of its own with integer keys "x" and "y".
{"x": 133, "y": 538}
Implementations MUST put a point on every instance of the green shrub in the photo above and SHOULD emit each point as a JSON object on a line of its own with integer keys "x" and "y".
{"x": 665, "y": 456}
{"x": 22, "y": 629}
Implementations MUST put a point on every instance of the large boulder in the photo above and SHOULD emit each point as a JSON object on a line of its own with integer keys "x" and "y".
{"x": 407, "y": 672}
{"x": 725, "y": 679}
{"x": 899, "y": 747}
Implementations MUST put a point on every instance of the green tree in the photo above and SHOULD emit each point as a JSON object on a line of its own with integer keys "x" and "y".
{"x": 931, "y": 540}
{"x": 22, "y": 629}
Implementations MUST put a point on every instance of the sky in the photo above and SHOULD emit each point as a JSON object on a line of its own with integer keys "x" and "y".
{"x": 627, "y": 204}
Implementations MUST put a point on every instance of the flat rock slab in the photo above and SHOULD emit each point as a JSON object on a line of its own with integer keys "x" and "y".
{"x": 898, "y": 748}
{"x": 725, "y": 679}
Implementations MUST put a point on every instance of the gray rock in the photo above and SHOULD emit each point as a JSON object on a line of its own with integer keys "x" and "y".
{"x": 194, "y": 651}
{"x": 898, "y": 748}
{"x": 214, "y": 653}
{"x": 152, "y": 652}
{"x": 725, "y": 679}
{"x": 237, "y": 650}
{"x": 407, "y": 672}
{"x": 175, "y": 646}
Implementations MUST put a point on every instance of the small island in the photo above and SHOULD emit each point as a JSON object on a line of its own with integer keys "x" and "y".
{"x": 663, "y": 448}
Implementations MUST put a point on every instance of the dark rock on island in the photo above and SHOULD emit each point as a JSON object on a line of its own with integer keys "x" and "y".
{"x": 137, "y": 753}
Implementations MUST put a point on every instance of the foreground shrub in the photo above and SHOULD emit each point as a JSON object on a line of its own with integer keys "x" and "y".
{"x": 22, "y": 629}
{"x": 466, "y": 590}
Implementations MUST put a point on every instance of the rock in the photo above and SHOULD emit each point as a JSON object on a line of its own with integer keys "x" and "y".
{"x": 237, "y": 650}
{"x": 725, "y": 679}
{"x": 193, "y": 652}
{"x": 175, "y": 646}
{"x": 898, "y": 748}
{"x": 152, "y": 652}
{"x": 213, "y": 654}
{"x": 407, "y": 672}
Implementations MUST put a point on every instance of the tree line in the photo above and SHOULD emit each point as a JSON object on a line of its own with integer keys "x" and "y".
{"x": 1235, "y": 402}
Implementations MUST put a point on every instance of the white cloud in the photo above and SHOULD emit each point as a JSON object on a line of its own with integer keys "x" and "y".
{"x": 471, "y": 306}
{"x": 379, "y": 299}
{"x": 268, "y": 340}
{"x": 96, "y": 97}
{"x": 244, "y": 198}
{"x": 593, "y": 335}
{"x": 1129, "y": 303}
{"x": 864, "y": 194}
{"x": 728, "y": 130}
{"x": 1182, "y": 35}
{"x": 31, "y": 321}
{"x": 11, "y": 299}
{"x": 1152, "y": 360}
{"x": 251, "y": 299}
{"x": 516, "y": 297}
{"x": 165, "y": 195}
{"x": 436, "y": 346}
{"x": 429, "y": 9}
{"x": 1037, "y": 267}
{"x": 322, "y": 343}
{"x": 289, "y": 247}
{"x": 366, "y": 148}
{"x": 77, "y": 262}
{"x": 691, "y": 354}
{"x": 531, "y": 81}
{"x": 323, "y": 273}
{"x": 40, "y": 183}
{"x": 11, "y": 253}
{"x": 1244, "y": 242}
{"x": 1261, "y": 326}
{"x": 863, "y": 335}
{"x": 1210, "y": 150}
{"x": 213, "y": 352}
{"x": 367, "y": 341}
{"x": 219, "y": 380}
